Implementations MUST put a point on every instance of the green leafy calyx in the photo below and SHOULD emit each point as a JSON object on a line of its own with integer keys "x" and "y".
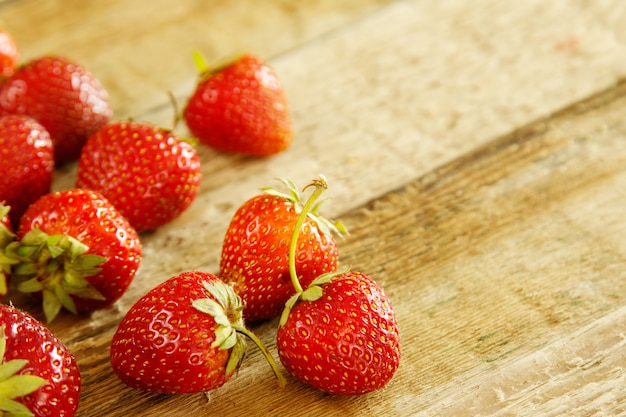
{"x": 55, "y": 265}
{"x": 225, "y": 306}
{"x": 14, "y": 386}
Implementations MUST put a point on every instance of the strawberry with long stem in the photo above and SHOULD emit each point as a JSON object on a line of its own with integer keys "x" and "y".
{"x": 255, "y": 252}
{"x": 339, "y": 334}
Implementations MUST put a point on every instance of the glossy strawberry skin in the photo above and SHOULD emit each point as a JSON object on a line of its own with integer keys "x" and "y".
{"x": 240, "y": 108}
{"x": 26, "y": 163}
{"x": 255, "y": 254}
{"x": 346, "y": 342}
{"x": 9, "y": 54}
{"x": 164, "y": 343}
{"x": 90, "y": 218}
{"x": 149, "y": 174}
{"x": 61, "y": 95}
{"x": 48, "y": 358}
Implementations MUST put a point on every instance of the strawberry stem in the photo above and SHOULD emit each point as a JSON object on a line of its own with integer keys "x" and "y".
{"x": 200, "y": 62}
{"x": 265, "y": 352}
{"x": 225, "y": 308}
{"x": 320, "y": 185}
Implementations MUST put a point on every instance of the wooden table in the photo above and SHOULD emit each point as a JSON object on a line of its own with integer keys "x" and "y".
{"x": 475, "y": 150}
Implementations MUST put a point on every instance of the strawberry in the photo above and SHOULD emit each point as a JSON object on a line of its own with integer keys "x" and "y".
{"x": 38, "y": 374}
{"x": 26, "y": 163}
{"x": 338, "y": 334}
{"x": 240, "y": 107}
{"x": 63, "y": 96}
{"x": 149, "y": 174}
{"x": 9, "y": 54}
{"x": 76, "y": 250}
{"x": 344, "y": 342}
{"x": 255, "y": 252}
{"x": 183, "y": 336}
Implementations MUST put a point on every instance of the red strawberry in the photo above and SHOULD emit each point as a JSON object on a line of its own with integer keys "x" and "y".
{"x": 344, "y": 342}
{"x": 183, "y": 336}
{"x": 76, "y": 250}
{"x": 255, "y": 252}
{"x": 40, "y": 375}
{"x": 9, "y": 54}
{"x": 26, "y": 163}
{"x": 63, "y": 96}
{"x": 149, "y": 174}
{"x": 338, "y": 333}
{"x": 240, "y": 107}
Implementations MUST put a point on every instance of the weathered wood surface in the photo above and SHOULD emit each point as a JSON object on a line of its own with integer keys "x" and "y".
{"x": 501, "y": 244}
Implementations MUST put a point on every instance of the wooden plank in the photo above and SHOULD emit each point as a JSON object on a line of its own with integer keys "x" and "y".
{"x": 488, "y": 256}
{"x": 510, "y": 254}
{"x": 140, "y": 50}
{"x": 498, "y": 259}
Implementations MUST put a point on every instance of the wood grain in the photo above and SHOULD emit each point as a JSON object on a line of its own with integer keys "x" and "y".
{"x": 501, "y": 246}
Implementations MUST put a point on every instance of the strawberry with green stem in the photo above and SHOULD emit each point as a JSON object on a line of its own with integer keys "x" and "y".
{"x": 39, "y": 375}
{"x": 186, "y": 335}
{"x": 75, "y": 249}
{"x": 339, "y": 334}
{"x": 255, "y": 251}
{"x": 239, "y": 107}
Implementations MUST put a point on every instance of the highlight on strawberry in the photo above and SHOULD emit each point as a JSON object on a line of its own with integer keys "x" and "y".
{"x": 69, "y": 101}
{"x": 186, "y": 335}
{"x": 339, "y": 333}
{"x": 255, "y": 251}
{"x": 39, "y": 375}
{"x": 75, "y": 250}
{"x": 149, "y": 174}
{"x": 239, "y": 106}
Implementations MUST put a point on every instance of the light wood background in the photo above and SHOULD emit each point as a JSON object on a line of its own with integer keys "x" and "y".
{"x": 475, "y": 150}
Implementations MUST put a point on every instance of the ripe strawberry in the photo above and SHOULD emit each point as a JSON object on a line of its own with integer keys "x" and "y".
{"x": 63, "y": 96}
{"x": 38, "y": 374}
{"x": 149, "y": 174}
{"x": 255, "y": 252}
{"x": 26, "y": 163}
{"x": 339, "y": 333}
{"x": 76, "y": 250}
{"x": 183, "y": 336}
{"x": 240, "y": 107}
{"x": 9, "y": 54}
{"x": 344, "y": 342}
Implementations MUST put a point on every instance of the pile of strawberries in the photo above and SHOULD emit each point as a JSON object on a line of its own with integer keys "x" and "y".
{"x": 79, "y": 249}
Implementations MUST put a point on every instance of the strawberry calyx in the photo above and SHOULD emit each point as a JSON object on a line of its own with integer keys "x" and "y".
{"x": 226, "y": 309}
{"x": 206, "y": 70}
{"x": 14, "y": 386}
{"x": 327, "y": 226}
{"x": 55, "y": 265}
{"x": 6, "y": 237}
{"x": 310, "y": 208}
